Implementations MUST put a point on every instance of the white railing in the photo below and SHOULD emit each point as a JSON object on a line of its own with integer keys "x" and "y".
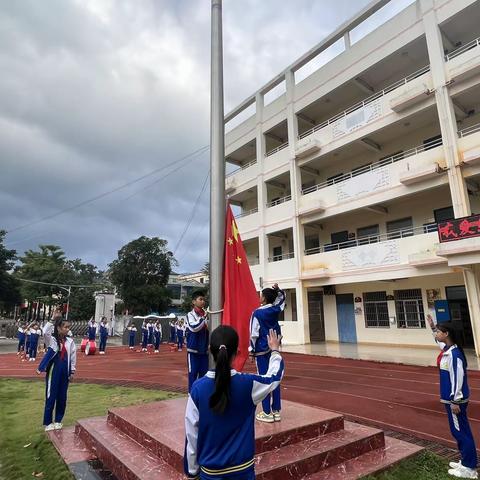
{"x": 248, "y": 212}
{"x": 278, "y": 201}
{"x": 243, "y": 167}
{"x": 469, "y": 130}
{"x": 277, "y": 149}
{"x": 368, "y": 100}
{"x": 283, "y": 256}
{"x": 253, "y": 261}
{"x": 373, "y": 166}
{"x": 402, "y": 233}
{"x": 462, "y": 49}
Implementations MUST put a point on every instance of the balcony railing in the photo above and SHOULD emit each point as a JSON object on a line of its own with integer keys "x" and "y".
{"x": 277, "y": 149}
{"x": 253, "y": 260}
{"x": 283, "y": 256}
{"x": 469, "y": 130}
{"x": 368, "y": 100}
{"x": 243, "y": 167}
{"x": 373, "y": 166}
{"x": 247, "y": 212}
{"x": 393, "y": 235}
{"x": 278, "y": 201}
{"x": 463, "y": 49}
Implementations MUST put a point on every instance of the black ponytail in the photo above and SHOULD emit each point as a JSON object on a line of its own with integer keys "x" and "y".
{"x": 453, "y": 333}
{"x": 223, "y": 346}
{"x": 58, "y": 323}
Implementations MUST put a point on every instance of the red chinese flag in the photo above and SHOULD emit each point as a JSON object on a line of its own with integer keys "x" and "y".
{"x": 240, "y": 294}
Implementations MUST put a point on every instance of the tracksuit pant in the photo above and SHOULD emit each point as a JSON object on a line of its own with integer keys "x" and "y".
{"x": 103, "y": 344}
{"x": 21, "y": 344}
{"x": 157, "y": 341}
{"x": 197, "y": 367}
{"x": 144, "y": 340}
{"x": 56, "y": 391}
{"x": 131, "y": 341}
{"x": 272, "y": 401}
{"x": 173, "y": 335}
{"x": 462, "y": 433}
{"x": 180, "y": 340}
{"x": 33, "y": 349}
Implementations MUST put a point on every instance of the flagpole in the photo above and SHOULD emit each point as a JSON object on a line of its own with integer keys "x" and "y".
{"x": 217, "y": 169}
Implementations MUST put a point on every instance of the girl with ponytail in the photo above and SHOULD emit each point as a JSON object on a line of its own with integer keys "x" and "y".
{"x": 220, "y": 415}
{"x": 454, "y": 394}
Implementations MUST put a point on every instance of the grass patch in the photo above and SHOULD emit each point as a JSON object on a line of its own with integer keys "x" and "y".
{"x": 21, "y": 416}
{"x": 424, "y": 466}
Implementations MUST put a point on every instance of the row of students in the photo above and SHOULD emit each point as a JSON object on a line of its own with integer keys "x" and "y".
{"x": 28, "y": 339}
{"x": 151, "y": 335}
{"x": 102, "y": 328}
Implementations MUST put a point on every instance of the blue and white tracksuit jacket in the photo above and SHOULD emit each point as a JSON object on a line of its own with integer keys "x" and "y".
{"x": 222, "y": 446}
{"x": 454, "y": 391}
{"x": 91, "y": 330}
{"x": 57, "y": 379}
{"x": 144, "y": 335}
{"x": 150, "y": 333}
{"x": 263, "y": 319}
{"x": 197, "y": 346}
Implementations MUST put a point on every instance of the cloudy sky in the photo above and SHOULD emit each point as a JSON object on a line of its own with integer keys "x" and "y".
{"x": 95, "y": 94}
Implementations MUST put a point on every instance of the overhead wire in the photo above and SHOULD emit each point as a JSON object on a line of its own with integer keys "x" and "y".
{"x": 109, "y": 192}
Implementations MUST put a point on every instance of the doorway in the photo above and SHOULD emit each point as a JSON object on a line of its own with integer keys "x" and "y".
{"x": 347, "y": 330}
{"x": 459, "y": 313}
{"x": 315, "y": 316}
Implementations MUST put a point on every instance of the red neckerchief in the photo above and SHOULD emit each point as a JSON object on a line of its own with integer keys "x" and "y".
{"x": 63, "y": 350}
{"x": 199, "y": 311}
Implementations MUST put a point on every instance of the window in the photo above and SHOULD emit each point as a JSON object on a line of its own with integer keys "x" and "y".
{"x": 400, "y": 228}
{"x": 312, "y": 242}
{"x": 367, "y": 235}
{"x": 277, "y": 254}
{"x": 376, "y": 309}
{"x": 429, "y": 227}
{"x": 443, "y": 214}
{"x": 174, "y": 291}
{"x": 409, "y": 308}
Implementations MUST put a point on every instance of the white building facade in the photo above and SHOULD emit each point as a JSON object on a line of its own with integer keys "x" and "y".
{"x": 341, "y": 180}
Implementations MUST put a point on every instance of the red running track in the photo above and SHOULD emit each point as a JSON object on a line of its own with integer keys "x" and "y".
{"x": 396, "y": 397}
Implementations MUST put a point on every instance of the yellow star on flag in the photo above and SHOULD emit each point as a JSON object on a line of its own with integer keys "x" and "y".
{"x": 230, "y": 241}
{"x": 238, "y": 260}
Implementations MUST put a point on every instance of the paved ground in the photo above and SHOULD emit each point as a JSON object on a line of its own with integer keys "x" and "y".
{"x": 396, "y": 397}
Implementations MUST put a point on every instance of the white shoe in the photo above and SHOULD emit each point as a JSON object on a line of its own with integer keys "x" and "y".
{"x": 265, "y": 417}
{"x": 58, "y": 425}
{"x": 463, "y": 472}
{"x": 156, "y": 351}
{"x": 455, "y": 465}
{"x": 276, "y": 416}
{"x": 50, "y": 427}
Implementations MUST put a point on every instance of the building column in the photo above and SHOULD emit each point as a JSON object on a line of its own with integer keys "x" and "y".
{"x": 448, "y": 127}
{"x": 261, "y": 186}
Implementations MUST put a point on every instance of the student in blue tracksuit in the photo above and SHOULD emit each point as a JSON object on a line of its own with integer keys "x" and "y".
{"x": 59, "y": 362}
{"x": 197, "y": 339}
{"x": 103, "y": 336}
{"x": 144, "y": 336}
{"x": 454, "y": 394}
{"x": 132, "y": 329}
{"x": 173, "y": 332}
{"x": 219, "y": 419}
{"x": 263, "y": 320}
{"x": 35, "y": 333}
{"x": 92, "y": 329}
{"x": 150, "y": 325}
{"x": 157, "y": 334}
{"x": 21, "y": 338}
{"x": 180, "y": 334}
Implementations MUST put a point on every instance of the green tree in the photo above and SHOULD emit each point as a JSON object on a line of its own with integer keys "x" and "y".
{"x": 9, "y": 286}
{"x": 141, "y": 273}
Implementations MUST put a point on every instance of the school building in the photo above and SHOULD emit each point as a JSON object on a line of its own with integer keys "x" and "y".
{"x": 343, "y": 166}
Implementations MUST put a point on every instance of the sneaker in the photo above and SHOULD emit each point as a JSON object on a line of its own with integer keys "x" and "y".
{"x": 276, "y": 416}
{"x": 58, "y": 426}
{"x": 50, "y": 427}
{"x": 179, "y": 349}
{"x": 265, "y": 417}
{"x": 463, "y": 472}
{"x": 156, "y": 351}
{"x": 455, "y": 465}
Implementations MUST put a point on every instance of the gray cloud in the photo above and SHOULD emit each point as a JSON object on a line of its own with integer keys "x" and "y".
{"x": 96, "y": 93}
